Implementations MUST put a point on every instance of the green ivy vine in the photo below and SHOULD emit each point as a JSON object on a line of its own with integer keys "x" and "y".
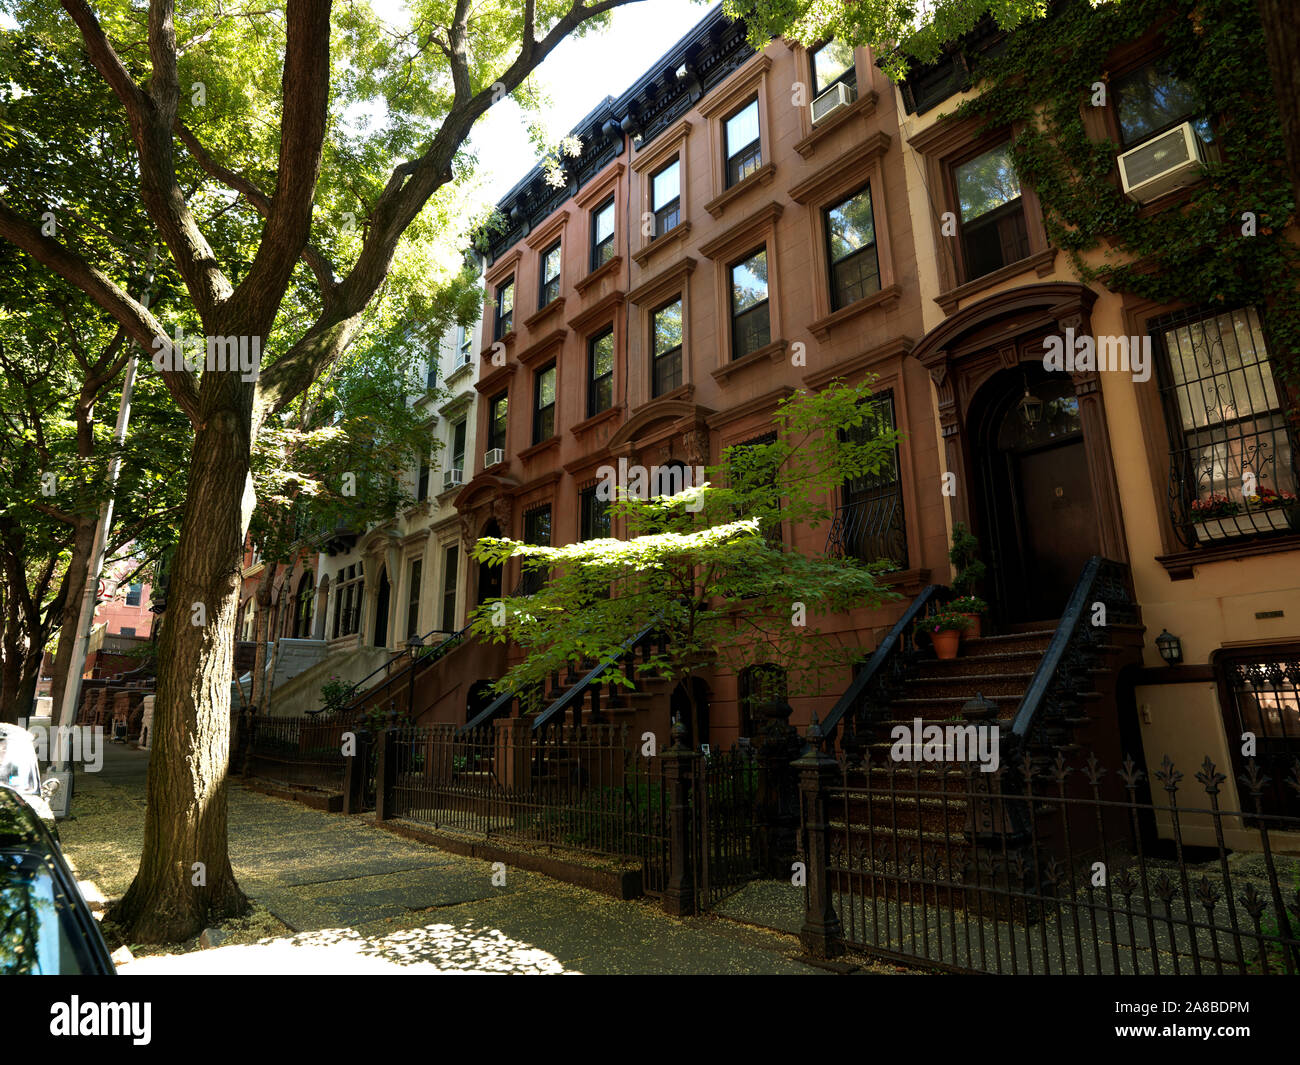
{"x": 1195, "y": 252}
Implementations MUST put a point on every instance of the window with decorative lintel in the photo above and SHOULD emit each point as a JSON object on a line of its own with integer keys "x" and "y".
{"x": 747, "y": 291}
{"x": 662, "y": 171}
{"x": 740, "y": 138}
{"x": 851, "y": 250}
{"x": 987, "y": 224}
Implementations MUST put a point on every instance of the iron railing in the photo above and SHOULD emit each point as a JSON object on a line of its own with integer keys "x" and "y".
{"x": 420, "y": 657}
{"x": 296, "y": 751}
{"x": 883, "y": 673}
{"x": 870, "y": 528}
{"x": 1051, "y": 705}
{"x": 591, "y": 684}
{"x": 584, "y": 789}
{"x": 916, "y": 867}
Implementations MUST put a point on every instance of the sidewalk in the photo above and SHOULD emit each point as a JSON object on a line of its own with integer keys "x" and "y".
{"x": 359, "y": 899}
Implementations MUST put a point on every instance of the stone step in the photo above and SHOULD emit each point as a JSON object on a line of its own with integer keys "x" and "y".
{"x": 977, "y": 646}
{"x": 948, "y": 708}
{"x": 952, "y": 685}
{"x": 999, "y": 662}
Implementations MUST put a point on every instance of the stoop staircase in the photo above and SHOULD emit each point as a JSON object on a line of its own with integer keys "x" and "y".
{"x": 1049, "y": 687}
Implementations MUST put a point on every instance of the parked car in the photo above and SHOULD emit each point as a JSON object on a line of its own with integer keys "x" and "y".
{"x": 20, "y": 769}
{"x": 46, "y": 928}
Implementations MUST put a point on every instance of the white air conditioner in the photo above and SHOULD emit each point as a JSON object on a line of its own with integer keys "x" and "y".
{"x": 834, "y": 99}
{"x": 452, "y": 478}
{"x": 493, "y": 457}
{"x": 1162, "y": 164}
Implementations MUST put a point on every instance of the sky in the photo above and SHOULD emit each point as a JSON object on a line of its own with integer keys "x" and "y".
{"x": 576, "y": 76}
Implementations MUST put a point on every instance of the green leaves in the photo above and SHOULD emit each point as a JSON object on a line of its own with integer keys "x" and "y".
{"x": 710, "y": 562}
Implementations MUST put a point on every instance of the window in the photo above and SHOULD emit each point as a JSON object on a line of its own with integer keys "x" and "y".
{"x": 851, "y": 250}
{"x": 754, "y": 470}
{"x": 832, "y": 63}
{"x": 1259, "y": 693}
{"x": 133, "y": 594}
{"x": 451, "y": 562}
{"x": 868, "y": 524}
{"x": 665, "y": 197}
{"x": 348, "y": 597}
{"x": 464, "y": 344}
{"x": 303, "y": 606}
{"x": 666, "y": 328}
{"x": 537, "y": 530}
{"x": 497, "y": 411}
{"x": 422, "y": 482}
{"x": 750, "y": 328}
{"x": 593, "y": 515}
{"x": 741, "y": 143}
{"x": 458, "y": 447}
{"x": 993, "y": 231}
{"x": 544, "y": 404}
{"x": 602, "y": 234}
{"x": 550, "y": 275}
{"x": 505, "y": 316}
{"x": 431, "y": 375}
{"x": 413, "y": 600}
{"x": 600, "y": 373}
{"x": 1232, "y": 456}
{"x": 126, "y": 630}
{"x": 1152, "y": 100}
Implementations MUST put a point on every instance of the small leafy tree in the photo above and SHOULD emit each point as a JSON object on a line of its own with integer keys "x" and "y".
{"x": 707, "y": 566}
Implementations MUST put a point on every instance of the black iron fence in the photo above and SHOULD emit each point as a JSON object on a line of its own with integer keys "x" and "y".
{"x": 296, "y": 751}
{"x": 586, "y": 790}
{"x": 1067, "y": 867}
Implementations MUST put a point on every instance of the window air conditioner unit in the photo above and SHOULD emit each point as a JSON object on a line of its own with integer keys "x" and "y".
{"x": 493, "y": 457}
{"x": 834, "y": 99}
{"x": 1162, "y": 164}
{"x": 451, "y": 479}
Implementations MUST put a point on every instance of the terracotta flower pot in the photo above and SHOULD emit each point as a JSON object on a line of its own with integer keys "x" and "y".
{"x": 945, "y": 642}
{"x": 974, "y": 629}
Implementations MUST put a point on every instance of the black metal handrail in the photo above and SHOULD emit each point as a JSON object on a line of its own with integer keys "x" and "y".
{"x": 566, "y": 700}
{"x": 1075, "y": 644}
{"x": 887, "y": 659}
{"x": 576, "y": 693}
{"x": 452, "y": 641}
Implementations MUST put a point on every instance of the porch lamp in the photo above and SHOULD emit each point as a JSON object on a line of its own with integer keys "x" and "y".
{"x": 1030, "y": 406}
{"x": 1170, "y": 647}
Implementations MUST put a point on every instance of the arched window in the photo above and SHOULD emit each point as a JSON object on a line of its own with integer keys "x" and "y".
{"x": 304, "y": 605}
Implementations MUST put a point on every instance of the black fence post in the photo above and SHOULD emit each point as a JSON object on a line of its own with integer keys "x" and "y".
{"x": 385, "y": 773}
{"x": 679, "y": 777}
{"x": 822, "y": 934}
{"x": 355, "y": 769}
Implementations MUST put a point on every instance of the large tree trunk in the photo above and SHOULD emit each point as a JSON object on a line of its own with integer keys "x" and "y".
{"x": 185, "y": 881}
{"x": 1281, "y": 19}
{"x": 74, "y": 581}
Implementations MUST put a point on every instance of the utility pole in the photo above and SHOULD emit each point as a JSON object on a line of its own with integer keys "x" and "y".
{"x": 86, "y": 617}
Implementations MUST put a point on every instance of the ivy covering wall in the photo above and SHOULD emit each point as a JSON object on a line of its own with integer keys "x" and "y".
{"x": 1196, "y": 252}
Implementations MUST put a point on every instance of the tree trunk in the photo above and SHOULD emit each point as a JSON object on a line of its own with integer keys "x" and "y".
{"x": 74, "y": 579}
{"x": 185, "y": 881}
{"x": 1281, "y": 19}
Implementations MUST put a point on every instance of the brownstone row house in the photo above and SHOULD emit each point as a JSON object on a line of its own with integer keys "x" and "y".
{"x": 742, "y": 224}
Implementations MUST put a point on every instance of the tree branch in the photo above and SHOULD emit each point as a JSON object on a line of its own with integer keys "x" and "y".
{"x": 143, "y": 327}
{"x": 320, "y": 264}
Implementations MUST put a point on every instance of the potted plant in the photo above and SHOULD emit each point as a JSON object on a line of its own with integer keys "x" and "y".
{"x": 973, "y": 607}
{"x": 944, "y": 628}
{"x": 967, "y": 569}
